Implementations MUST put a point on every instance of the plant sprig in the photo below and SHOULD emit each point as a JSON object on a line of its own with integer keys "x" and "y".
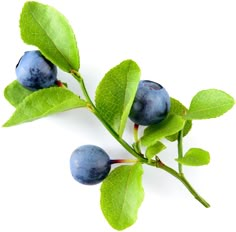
{"x": 121, "y": 192}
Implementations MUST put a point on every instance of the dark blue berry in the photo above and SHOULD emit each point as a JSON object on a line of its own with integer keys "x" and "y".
{"x": 151, "y": 104}
{"x": 89, "y": 164}
{"x": 35, "y": 72}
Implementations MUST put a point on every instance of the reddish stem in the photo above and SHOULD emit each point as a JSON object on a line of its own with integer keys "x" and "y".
{"x": 117, "y": 161}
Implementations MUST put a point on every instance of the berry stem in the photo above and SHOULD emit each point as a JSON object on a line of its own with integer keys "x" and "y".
{"x": 158, "y": 163}
{"x": 60, "y": 84}
{"x": 118, "y": 161}
{"x": 136, "y": 126}
{"x": 136, "y": 139}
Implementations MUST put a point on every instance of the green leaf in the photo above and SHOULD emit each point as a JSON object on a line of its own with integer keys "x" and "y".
{"x": 176, "y": 107}
{"x": 209, "y": 103}
{"x": 43, "y": 26}
{"x": 154, "y": 149}
{"x": 44, "y": 102}
{"x": 115, "y": 94}
{"x": 121, "y": 195}
{"x": 15, "y": 93}
{"x": 171, "y": 125}
{"x": 195, "y": 157}
{"x": 179, "y": 109}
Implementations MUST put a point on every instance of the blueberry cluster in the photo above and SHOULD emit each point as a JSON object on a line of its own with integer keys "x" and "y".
{"x": 90, "y": 164}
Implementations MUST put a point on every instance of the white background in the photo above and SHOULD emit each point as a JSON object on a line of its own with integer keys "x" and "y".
{"x": 186, "y": 46}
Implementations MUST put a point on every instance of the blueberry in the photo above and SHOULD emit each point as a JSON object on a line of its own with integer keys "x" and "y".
{"x": 151, "y": 104}
{"x": 89, "y": 164}
{"x": 35, "y": 72}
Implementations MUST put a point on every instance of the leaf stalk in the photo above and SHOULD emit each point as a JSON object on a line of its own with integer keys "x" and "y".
{"x": 180, "y": 150}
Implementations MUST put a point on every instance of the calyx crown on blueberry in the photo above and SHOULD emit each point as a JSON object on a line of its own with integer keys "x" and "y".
{"x": 35, "y": 72}
{"x": 151, "y": 104}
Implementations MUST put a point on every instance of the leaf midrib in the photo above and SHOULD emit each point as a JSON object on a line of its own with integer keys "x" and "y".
{"x": 204, "y": 109}
{"x": 57, "y": 106}
{"x": 124, "y": 107}
{"x": 53, "y": 108}
{"x": 125, "y": 195}
{"x": 49, "y": 37}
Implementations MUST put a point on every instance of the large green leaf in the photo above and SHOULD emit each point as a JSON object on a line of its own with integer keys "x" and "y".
{"x": 121, "y": 195}
{"x": 44, "y": 102}
{"x": 15, "y": 93}
{"x": 43, "y": 26}
{"x": 195, "y": 157}
{"x": 115, "y": 94}
{"x": 209, "y": 103}
{"x": 171, "y": 125}
{"x": 179, "y": 109}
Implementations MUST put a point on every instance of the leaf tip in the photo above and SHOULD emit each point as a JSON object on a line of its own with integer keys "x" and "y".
{"x": 6, "y": 124}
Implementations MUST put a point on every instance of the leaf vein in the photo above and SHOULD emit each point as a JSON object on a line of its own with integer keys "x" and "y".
{"x": 52, "y": 42}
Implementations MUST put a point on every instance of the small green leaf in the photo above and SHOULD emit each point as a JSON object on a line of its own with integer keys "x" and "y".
{"x": 154, "y": 149}
{"x": 44, "y": 102}
{"x": 176, "y": 107}
{"x": 115, "y": 94}
{"x": 43, "y": 26}
{"x": 195, "y": 157}
{"x": 179, "y": 109}
{"x": 209, "y": 103}
{"x": 121, "y": 195}
{"x": 15, "y": 93}
{"x": 171, "y": 125}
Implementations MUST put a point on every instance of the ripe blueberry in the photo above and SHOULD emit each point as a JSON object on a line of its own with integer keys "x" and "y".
{"x": 35, "y": 72}
{"x": 89, "y": 164}
{"x": 151, "y": 104}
